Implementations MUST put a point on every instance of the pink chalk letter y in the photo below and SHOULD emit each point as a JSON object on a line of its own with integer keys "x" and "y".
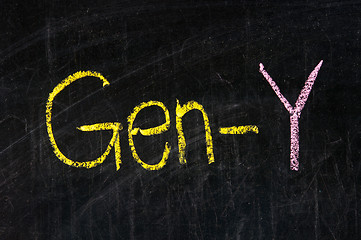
{"x": 295, "y": 112}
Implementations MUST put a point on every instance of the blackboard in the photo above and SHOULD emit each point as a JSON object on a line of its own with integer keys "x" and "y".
{"x": 173, "y": 53}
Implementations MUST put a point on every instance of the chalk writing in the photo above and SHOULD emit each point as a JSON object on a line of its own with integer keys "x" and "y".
{"x": 181, "y": 111}
{"x": 115, "y": 127}
{"x": 148, "y": 132}
{"x": 238, "y": 129}
{"x": 295, "y": 112}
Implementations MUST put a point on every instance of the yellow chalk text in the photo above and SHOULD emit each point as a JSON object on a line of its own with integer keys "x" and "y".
{"x": 180, "y": 112}
{"x": 238, "y": 129}
{"x": 102, "y": 126}
{"x": 148, "y": 132}
{"x": 116, "y": 127}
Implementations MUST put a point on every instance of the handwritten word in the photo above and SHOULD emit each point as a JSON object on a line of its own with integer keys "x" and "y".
{"x": 295, "y": 112}
{"x": 116, "y": 127}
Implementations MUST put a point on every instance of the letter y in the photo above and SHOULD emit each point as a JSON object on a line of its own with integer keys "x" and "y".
{"x": 295, "y": 112}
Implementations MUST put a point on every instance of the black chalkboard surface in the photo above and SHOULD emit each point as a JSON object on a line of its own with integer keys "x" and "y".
{"x": 140, "y": 98}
